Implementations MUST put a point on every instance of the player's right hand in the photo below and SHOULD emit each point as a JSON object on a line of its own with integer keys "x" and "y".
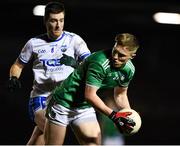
{"x": 122, "y": 121}
{"x": 13, "y": 84}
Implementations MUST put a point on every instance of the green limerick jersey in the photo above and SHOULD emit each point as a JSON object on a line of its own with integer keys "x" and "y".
{"x": 95, "y": 71}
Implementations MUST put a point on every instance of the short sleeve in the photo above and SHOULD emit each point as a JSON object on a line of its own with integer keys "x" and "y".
{"x": 127, "y": 80}
{"x": 81, "y": 49}
{"x": 26, "y": 52}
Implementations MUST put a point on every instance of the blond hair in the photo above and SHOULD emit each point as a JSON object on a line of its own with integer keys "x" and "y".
{"x": 128, "y": 40}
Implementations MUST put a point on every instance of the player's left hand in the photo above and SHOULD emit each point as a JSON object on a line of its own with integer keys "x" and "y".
{"x": 122, "y": 121}
{"x": 69, "y": 61}
{"x": 13, "y": 84}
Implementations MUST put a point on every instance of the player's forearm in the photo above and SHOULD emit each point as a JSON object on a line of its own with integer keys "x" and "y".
{"x": 121, "y": 98}
{"x": 95, "y": 100}
{"x": 15, "y": 70}
{"x": 122, "y": 101}
{"x": 98, "y": 104}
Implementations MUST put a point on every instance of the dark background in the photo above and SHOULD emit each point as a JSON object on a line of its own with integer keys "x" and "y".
{"x": 154, "y": 91}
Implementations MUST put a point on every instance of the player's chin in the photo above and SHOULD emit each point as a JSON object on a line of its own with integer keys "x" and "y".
{"x": 56, "y": 34}
{"x": 116, "y": 65}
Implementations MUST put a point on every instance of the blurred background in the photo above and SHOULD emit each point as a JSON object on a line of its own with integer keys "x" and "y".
{"x": 154, "y": 91}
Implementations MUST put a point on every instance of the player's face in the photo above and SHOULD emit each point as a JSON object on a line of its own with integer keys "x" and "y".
{"x": 121, "y": 54}
{"x": 55, "y": 25}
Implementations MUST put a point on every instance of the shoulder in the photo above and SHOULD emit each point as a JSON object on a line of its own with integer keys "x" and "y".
{"x": 129, "y": 68}
{"x": 72, "y": 34}
{"x": 100, "y": 57}
{"x": 38, "y": 39}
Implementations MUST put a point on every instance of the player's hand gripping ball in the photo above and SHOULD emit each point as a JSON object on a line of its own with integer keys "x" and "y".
{"x": 128, "y": 121}
{"x": 136, "y": 118}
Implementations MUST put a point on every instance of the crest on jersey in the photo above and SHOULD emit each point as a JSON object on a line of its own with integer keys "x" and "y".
{"x": 63, "y": 48}
{"x": 121, "y": 76}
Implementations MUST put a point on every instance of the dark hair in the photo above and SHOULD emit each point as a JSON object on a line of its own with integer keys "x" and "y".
{"x": 53, "y": 7}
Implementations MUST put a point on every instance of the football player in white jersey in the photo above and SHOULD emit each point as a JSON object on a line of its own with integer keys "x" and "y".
{"x": 55, "y": 54}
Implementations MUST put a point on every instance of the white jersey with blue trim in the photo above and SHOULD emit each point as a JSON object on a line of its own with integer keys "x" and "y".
{"x": 47, "y": 68}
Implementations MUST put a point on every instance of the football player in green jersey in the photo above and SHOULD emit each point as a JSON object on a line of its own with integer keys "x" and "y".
{"x": 73, "y": 102}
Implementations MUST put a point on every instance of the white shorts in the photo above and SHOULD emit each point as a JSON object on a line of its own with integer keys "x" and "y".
{"x": 63, "y": 116}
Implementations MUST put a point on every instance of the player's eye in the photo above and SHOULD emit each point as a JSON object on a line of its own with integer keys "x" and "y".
{"x": 52, "y": 20}
{"x": 121, "y": 55}
{"x": 62, "y": 20}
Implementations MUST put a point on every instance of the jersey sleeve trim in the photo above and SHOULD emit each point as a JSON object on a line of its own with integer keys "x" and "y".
{"x": 84, "y": 55}
{"x": 95, "y": 86}
{"x": 22, "y": 60}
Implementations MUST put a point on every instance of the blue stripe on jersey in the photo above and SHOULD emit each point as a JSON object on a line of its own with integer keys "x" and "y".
{"x": 83, "y": 56}
{"x": 22, "y": 60}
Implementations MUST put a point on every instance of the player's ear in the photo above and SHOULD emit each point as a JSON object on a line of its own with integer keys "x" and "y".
{"x": 133, "y": 55}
